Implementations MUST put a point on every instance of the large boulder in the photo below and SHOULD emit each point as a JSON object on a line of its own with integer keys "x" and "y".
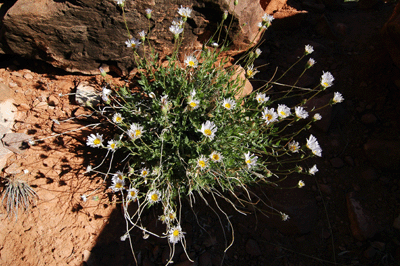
{"x": 82, "y": 35}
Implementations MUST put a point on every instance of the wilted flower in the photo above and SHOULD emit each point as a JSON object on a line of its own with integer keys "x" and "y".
{"x": 95, "y": 141}
{"x": 191, "y": 61}
{"x": 154, "y": 196}
{"x": 250, "y": 72}
{"x": 337, "y": 98}
{"x": 229, "y": 104}
{"x": 313, "y": 170}
{"x": 261, "y": 98}
{"x": 176, "y": 30}
{"x": 261, "y": 26}
{"x": 258, "y": 52}
{"x": 105, "y": 93}
{"x": 135, "y": 131}
{"x": 148, "y": 13}
{"x": 225, "y": 15}
{"x": 178, "y": 22}
{"x": 142, "y": 35}
{"x": 326, "y": 79}
{"x": 284, "y": 216}
{"x": 118, "y": 175}
{"x": 175, "y": 234}
{"x": 294, "y": 146}
{"x": 301, "y": 184}
{"x": 269, "y": 115}
{"x": 133, "y": 43}
{"x": 283, "y": 111}
{"x": 267, "y": 19}
{"x": 308, "y": 49}
{"x": 208, "y": 129}
{"x": 310, "y": 63}
{"x": 251, "y": 160}
{"x": 300, "y": 112}
{"x": 84, "y": 197}
{"x": 317, "y": 117}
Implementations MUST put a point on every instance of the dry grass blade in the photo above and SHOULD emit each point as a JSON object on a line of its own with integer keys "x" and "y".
{"x": 17, "y": 193}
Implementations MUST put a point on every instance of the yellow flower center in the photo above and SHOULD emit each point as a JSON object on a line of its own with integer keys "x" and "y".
{"x": 207, "y": 132}
{"x": 96, "y": 142}
{"x": 112, "y": 145}
{"x": 191, "y": 63}
{"x": 325, "y": 84}
{"x": 175, "y": 233}
{"x": 202, "y": 164}
{"x": 292, "y": 148}
{"x": 154, "y": 197}
{"x": 249, "y": 73}
{"x": 215, "y": 157}
{"x": 171, "y": 216}
{"x": 193, "y": 104}
{"x": 120, "y": 177}
{"x": 268, "y": 117}
{"x": 118, "y": 119}
{"x": 144, "y": 173}
{"x": 137, "y": 132}
{"x": 228, "y": 106}
{"x": 118, "y": 185}
{"x": 133, "y": 193}
{"x": 133, "y": 45}
{"x": 248, "y": 161}
{"x": 282, "y": 113}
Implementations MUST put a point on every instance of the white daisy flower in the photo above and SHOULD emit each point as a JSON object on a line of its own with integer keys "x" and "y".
{"x": 283, "y": 111}
{"x": 118, "y": 175}
{"x": 112, "y": 145}
{"x": 132, "y": 43}
{"x": 267, "y": 19}
{"x": 294, "y": 146}
{"x": 317, "y": 117}
{"x": 194, "y": 104}
{"x": 229, "y": 104}
{"x": 208, "y": 129}
{"x": 144, "y": 172}
{"x": 171, "y": 215}
{"x": 300, "y": 112}
{"x": 202, "y": 162}
{"x": 105, "y": 93}
{"x": 216, "y": 157}
{"x": 313, "y": 145}
{"x": 251, "y": 160}
{"x": 326, "y": 79}
{"x": 337, "y": 98}
{"x": 132, "y": 194}
{"x": 175, "y": 234}
{"x": 301, "y": 184}
{"x": 308, "y": 49}
{"x": 136, "y": 131}
{"x": 95, "y": 141}
{"x": 154, "y": 196}
{"x": 117, "y": 118}
{"x": 269, "y": 115}
{"x": 176, "y": 30}
{"x": 191, "y": 61}
{"x": 185, "y": 12}
{"x": 310, "y": 63}
{"x": 313, "y": 170}
{"x": 250, "y": 72}
{"x": 117, "y": 184}
{"x": 261, "y": 98}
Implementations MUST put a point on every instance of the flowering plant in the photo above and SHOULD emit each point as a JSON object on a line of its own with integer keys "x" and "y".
{"x": 191, "y": 130}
